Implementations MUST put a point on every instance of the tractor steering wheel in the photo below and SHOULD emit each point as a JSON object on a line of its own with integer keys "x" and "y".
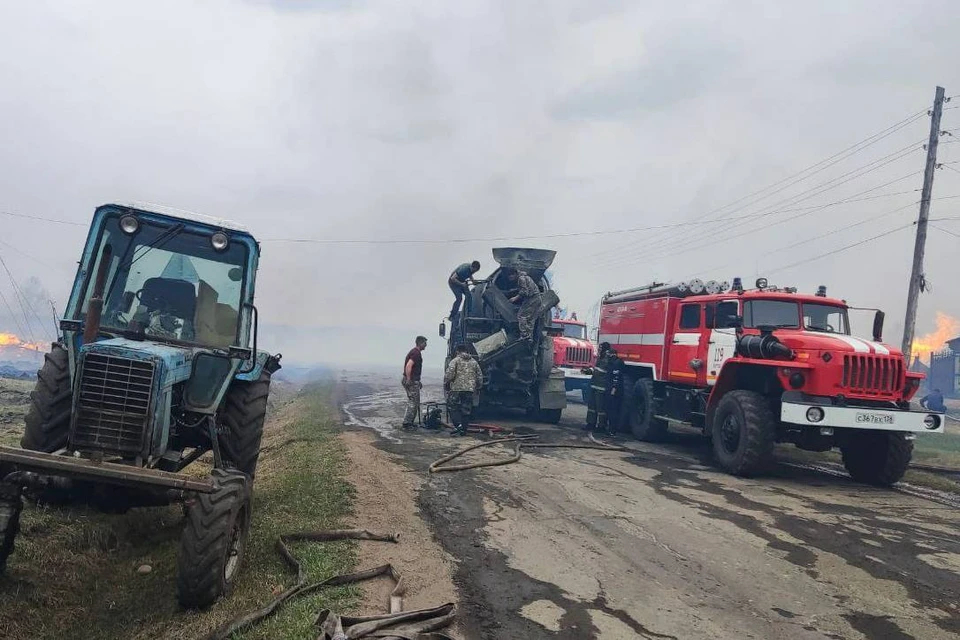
{"x": 154, "y": 303}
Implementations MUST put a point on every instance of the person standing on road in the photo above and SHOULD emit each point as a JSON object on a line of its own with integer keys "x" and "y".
{"x": 412, "y": 368}
{"x": 613, "y": 398}
{"x": 462, "y": 380}
{"x": 530, "y": 299}
{"x": 933, "y": 401}
{"x": 596, "y": 414}
{"x": 460, "y": 281}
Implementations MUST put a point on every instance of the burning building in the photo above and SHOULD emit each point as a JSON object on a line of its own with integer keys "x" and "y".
{"x": 941, "y": 352}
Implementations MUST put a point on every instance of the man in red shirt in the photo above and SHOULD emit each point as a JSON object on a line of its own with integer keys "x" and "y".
{"x": 412, "y": 366}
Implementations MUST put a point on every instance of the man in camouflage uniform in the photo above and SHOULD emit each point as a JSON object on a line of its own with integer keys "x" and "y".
{"x": 462, "y": 380}
{"x": 530, "y": 299}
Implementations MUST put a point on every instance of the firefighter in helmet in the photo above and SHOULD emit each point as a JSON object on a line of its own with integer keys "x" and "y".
{"x": 606, "y": 391}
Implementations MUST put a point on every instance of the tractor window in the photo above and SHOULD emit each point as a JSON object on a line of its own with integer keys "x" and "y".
{"x": 172, "y": 285}
{"x": 775, "y": 313}
{"x": 690, "y": 316}
{"x": 825, "y": 317}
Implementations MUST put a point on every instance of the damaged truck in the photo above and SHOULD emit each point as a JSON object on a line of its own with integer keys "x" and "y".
{"x": 516, "y": 374}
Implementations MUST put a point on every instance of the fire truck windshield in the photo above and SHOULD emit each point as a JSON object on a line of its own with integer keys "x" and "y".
{"x": 783, "y": 314}
{"x": 575, "y": 331}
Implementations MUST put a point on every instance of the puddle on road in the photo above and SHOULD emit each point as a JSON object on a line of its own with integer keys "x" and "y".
{"x": 368, "y": 412}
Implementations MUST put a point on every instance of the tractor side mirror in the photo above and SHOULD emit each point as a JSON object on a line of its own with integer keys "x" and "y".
{"x": 878, "y": 326}
{"x": 443, "y": 329}
{"x": 126, "y": 301}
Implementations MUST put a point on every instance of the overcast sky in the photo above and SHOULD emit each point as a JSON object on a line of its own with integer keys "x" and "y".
{"x": 432, "y": 120}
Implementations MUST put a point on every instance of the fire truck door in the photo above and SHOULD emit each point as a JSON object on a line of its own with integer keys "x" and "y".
{"x": 722, "y": 344}
{"x": 684, "y": 349}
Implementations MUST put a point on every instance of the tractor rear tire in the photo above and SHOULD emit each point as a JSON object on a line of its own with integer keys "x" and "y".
{"x": 214, "y": 540}
{"x": 242, "y": 418}
{"x": 877, "y": 457}
{"x": 744, "y": 433}
{"x": 10, "y": 506}
{"x": 643, "y": 424}
{"x": 47, "y": 424}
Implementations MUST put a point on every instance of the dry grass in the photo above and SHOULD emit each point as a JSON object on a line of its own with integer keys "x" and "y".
{"x": 74, "y": 572}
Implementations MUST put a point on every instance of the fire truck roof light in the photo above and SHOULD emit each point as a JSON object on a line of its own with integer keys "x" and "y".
{"x": 761, "y": 283}
{"x": 822, "y": 291}
{"x": 737, "y": 285}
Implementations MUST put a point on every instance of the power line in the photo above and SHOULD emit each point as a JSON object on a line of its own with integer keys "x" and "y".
{"x": 41, "y": 218}
{"x": 841, "y": 249}
{"x": 21, "y": 300}
{"x": 826, "y": 163}
{"x": 948, "y": 232}
{"x": 794, "y": 199}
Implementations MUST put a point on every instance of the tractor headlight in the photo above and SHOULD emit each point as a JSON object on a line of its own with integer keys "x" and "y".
{"x": 129, "y": 225}
{"x": 814, "y": 414}
{"x": 219, "y": 241}
{"x": 931, "y": 422}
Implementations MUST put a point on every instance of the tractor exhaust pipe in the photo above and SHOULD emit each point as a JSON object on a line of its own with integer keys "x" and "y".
{"x": 91, "y": 327}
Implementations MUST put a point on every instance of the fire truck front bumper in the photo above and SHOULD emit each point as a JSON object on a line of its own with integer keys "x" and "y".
{"x": 811, "y": 414}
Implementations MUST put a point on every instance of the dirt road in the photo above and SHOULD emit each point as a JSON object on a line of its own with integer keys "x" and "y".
{"x": 656, "y": 543}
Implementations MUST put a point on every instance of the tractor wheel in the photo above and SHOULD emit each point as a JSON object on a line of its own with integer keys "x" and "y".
{"x": 877, "y": 457}
{"x": 744, "y": 432}
{"x": 47, "y": 423}
{"x": 242, "y": 416}
{"x": 213, "y": 541}
{"x": 644, "y": 425}
{"x": 10, "y": 507}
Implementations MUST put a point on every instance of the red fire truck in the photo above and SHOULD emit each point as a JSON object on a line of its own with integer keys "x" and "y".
{"x": 572, "y": 352}
{"x": 755, "y": 367}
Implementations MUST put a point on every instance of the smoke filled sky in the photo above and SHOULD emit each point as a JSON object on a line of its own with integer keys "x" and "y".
{"x": 429, "y": 120}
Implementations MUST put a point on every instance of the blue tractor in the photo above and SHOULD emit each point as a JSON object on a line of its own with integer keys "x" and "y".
{"x": 156, "y": 365}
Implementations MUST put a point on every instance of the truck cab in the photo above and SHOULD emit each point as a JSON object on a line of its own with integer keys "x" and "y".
{"x": 572, "y": 352}
{"x": 722, "y": 358}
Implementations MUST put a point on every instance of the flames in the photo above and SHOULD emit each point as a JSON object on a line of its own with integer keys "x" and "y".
{"x": 11, "y": 340}
{"x": 948, "y": 328}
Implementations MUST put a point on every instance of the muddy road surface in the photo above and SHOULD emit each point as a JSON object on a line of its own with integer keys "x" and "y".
{"x": 656, "y": 543}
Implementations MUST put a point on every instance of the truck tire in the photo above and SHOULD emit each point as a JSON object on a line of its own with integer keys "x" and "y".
{"x": 878, "y": 458}
{"x": 744, "y": 432}
{"x": 47, "y": 424}
{"x": 214, "y": 540}
{"x": 10, "y": 507}
{"x": 242, "y": 417}
{"x": 643, "y": 424}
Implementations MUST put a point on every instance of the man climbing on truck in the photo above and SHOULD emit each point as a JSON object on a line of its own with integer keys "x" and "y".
{"x": 459, "y": 282}
{"x": 530, "y": 298}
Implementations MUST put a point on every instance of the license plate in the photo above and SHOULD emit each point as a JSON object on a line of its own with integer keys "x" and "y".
{"x": 874, "y": 418}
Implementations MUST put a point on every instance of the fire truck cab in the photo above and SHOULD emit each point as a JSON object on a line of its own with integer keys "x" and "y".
{"x": 572, "y": 352}
{"x": 755, "y": 367}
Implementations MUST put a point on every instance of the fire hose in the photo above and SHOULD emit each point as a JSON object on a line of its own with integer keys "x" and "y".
{"x": 415, "y": 625}
{"x": 519, "y": 443}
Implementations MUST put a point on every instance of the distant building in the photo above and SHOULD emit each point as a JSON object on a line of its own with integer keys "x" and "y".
{"x": 945, "y": 370}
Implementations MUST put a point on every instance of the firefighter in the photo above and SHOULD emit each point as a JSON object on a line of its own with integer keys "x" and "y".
{"x": 613, "y": 398}
{"x": 462, "y": 380}
{"x": 598, "y": 388}
{"x": 530, "y": 299}
{"x": 933, "y": 401}
{"x": 459, "y": 282}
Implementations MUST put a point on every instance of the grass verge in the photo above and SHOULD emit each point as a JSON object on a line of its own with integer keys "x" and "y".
{"x": 74, "y": 572}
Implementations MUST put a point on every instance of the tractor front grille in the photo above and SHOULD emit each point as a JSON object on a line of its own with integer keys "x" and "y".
{"x": 113, "y": 404}
{"x": 873, "y": 374}
{"x": 578, "y": 355}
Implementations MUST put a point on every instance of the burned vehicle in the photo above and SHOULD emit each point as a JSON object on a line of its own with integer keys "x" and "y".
{"x": 517, "y": 373}
{"x": 156, "y": 364}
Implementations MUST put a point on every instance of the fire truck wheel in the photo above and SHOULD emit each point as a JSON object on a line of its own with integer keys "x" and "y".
{"x": 47, "y": 423}
{"x": 10, "y": 507}
{"x": 213, "y": 541}
{"x": 643, "y": 424}
{"x": 877, "y": 458}
{"x": 744, "y": 432}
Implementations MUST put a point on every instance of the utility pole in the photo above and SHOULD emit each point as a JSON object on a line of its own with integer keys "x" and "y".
{"x": 916, "y": 275}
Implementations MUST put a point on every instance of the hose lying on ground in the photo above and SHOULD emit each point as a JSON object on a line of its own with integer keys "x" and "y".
{"x": 302, "y": 587}
{"x": 519, "y": 443}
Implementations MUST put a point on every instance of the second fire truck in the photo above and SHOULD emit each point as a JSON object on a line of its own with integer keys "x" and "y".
{"x": 752, "y": 368}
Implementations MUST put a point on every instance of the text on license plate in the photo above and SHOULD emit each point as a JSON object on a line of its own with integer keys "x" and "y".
{"x": 874, "y": 418}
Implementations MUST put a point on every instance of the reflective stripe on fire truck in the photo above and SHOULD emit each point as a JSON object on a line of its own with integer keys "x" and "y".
{"x": 686, "y": 339}
{"x": 644, "y": 339}
{"x": 863, "y": 346}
